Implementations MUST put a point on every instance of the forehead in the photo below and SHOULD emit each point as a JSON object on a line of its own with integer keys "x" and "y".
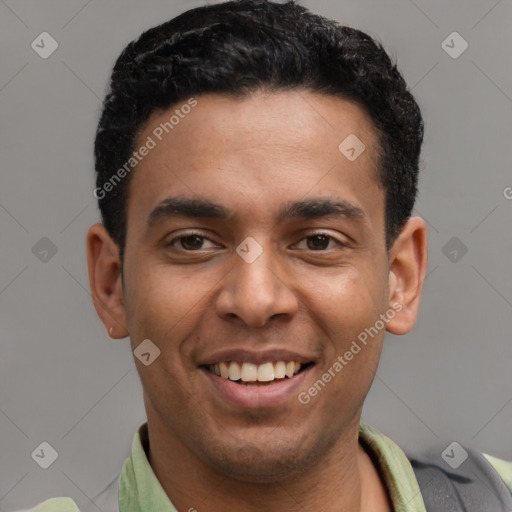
{"x": 265, "y": 149}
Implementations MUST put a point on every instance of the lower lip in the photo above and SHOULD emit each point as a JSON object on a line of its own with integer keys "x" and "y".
{"x": 266, "y": 395}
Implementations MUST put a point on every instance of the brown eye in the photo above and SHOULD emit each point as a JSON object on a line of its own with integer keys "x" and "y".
{"x": 191, "y": 242}
{"x": 318, "y": 242}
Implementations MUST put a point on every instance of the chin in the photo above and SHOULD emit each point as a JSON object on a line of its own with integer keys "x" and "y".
{"x": 265, "y": 463}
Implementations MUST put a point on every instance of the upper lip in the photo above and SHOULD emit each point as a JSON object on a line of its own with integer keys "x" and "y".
{"x": 253, "y": 356}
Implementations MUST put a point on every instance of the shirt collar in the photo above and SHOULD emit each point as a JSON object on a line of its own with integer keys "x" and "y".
{"x": 139, "y": 488}
{"x": 395, "y": 469}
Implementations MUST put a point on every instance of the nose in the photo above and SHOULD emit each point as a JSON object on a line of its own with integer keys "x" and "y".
{"x": 256, "y": 292}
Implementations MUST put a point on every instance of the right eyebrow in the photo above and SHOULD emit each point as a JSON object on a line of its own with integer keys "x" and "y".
{"x": 188, "y": 207}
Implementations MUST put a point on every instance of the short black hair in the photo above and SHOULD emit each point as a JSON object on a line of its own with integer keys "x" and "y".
{"x": 241, "y": 46}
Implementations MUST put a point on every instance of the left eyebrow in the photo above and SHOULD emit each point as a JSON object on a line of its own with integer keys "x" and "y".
{"x": 319, "y": 207}
{"x": 203, "y": 208}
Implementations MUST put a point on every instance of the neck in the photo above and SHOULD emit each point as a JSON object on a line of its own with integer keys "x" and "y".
{"x": 346, "y": 480}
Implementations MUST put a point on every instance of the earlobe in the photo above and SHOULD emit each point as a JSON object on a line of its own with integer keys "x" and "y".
{"x": 407, "y": 267}
{"x": 105, "y": 280}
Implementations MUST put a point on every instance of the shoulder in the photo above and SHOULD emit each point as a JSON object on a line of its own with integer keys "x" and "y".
{"x": 451, "y": 475}
{"x": 55, "y": 505}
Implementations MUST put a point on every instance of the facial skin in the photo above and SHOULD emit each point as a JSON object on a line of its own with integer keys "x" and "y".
{"x": 310, "y": 296}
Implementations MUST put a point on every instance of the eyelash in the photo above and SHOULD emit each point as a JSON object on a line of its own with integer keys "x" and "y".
{"x": 200, "y": 235}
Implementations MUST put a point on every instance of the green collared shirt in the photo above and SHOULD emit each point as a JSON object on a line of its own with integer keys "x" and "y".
{"x": 140, "y": 490}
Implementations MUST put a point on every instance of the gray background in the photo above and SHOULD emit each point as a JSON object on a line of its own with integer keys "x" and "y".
{"x": 63, "y": 381}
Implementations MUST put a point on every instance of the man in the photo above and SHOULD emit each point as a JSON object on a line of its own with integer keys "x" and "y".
{"x": 257, "y": 167}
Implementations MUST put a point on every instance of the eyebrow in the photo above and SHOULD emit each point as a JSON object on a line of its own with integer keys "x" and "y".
{"x": 202, "y": 208}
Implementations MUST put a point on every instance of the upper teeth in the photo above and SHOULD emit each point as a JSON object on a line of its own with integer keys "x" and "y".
{"x": 250, "y": 372}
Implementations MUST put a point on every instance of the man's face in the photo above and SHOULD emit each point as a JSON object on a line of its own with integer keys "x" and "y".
{"x": 205, "y": 300}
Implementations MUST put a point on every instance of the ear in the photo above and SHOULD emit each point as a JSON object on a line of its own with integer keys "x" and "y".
{"x": 105, "y": 280}
{"x": 407, "y": 267}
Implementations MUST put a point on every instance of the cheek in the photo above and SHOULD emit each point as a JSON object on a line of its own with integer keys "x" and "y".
{"x": 167, "y": 308}
{"x": 352, "y": 301}
{"x": 164, "y": 298}
{"x": 163, "y": 308}
{"x": 349, "y": 311}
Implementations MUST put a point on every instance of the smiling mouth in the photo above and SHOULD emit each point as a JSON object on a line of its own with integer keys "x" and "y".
{"x": 250, "y": 374}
